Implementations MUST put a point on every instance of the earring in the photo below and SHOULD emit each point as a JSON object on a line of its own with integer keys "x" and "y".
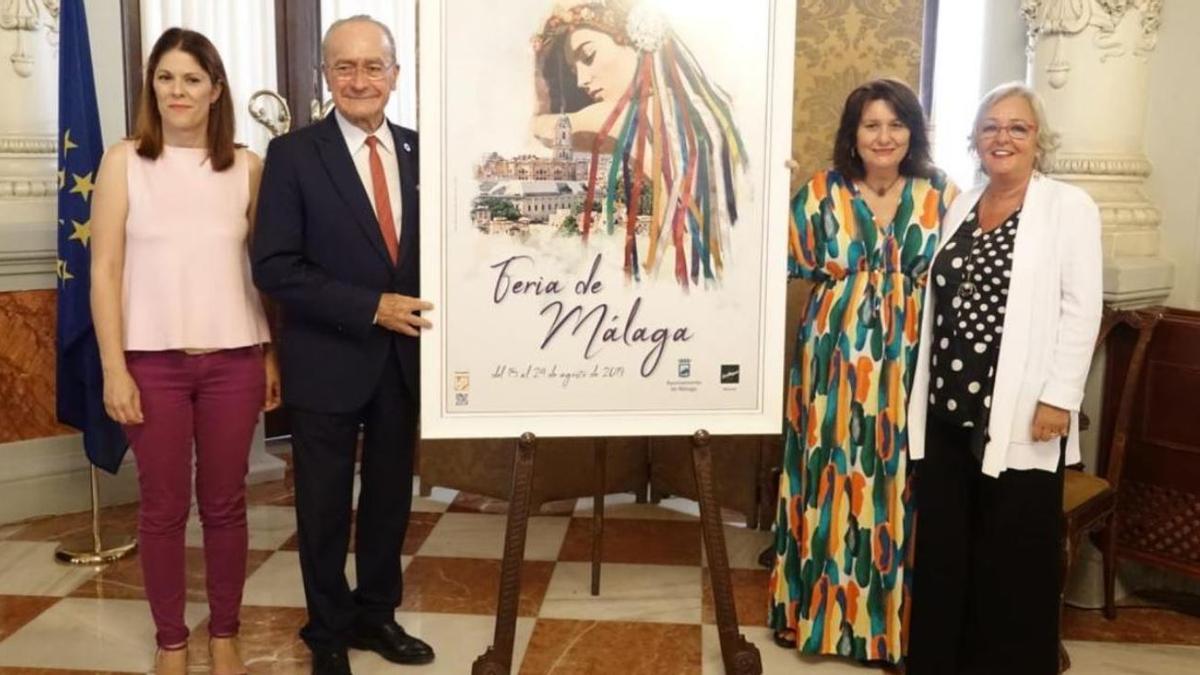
{"x": 853, "y": 152}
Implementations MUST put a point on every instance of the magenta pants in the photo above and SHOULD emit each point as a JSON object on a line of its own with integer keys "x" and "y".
{"x": 210, "y": 402}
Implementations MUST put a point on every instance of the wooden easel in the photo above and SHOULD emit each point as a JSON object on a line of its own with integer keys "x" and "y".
{"x": 740, "y": 657}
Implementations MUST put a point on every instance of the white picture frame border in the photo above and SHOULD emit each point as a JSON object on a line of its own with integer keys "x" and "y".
{"x": 438, "y": 420}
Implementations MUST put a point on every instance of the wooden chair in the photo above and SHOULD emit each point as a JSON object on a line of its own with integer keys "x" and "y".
{"x": 1090, "y": 501}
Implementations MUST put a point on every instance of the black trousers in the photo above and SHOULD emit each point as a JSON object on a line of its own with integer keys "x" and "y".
{"x": 324, "y": 446}
{"x": 988, "y": 564}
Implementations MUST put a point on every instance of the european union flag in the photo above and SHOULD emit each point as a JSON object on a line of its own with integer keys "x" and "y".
{"x": 80, "y": 385}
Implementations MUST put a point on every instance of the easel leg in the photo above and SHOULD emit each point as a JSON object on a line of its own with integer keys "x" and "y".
{"x": 740, "y": 657}
{"x": 599, "y": 469}
{"x": 497, "y": 660}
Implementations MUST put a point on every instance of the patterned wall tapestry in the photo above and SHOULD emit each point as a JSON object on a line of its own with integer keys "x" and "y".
{"x": 839, "y": 45}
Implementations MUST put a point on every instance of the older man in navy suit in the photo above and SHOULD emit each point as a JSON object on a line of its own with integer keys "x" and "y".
{"x": 335, "y": 245}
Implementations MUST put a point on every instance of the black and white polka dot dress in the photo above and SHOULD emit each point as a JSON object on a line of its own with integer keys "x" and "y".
{"x": 970, "y": 285}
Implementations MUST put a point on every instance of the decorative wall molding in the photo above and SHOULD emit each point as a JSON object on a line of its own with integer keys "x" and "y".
{"x": 28, "y": 245}
{"x": 28, "y": 16}
{"x": 1102, "y": 166}
{"x": 1102, "y": 46}
{"x": 1141, "y": 216}
{"x": 1132, "y": 282}
{"x": 28, "y": 145}
{"x": 27, "y": 169}
{"x": 1071, "y": 17}
{"x": 27, "y": 270}
{"x": 28, "y": 203}
{"x": 49, "y": 476}
{"x": 1068, "y": 18}
{"x": 1115, "y": 182}
{"x": 27, "y": 187}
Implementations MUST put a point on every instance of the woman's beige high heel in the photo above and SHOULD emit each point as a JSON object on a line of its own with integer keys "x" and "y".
{"x": 171, "y": 661}
{"x": 234, "y": 664}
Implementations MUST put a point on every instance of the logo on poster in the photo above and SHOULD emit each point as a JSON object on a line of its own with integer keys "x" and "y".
{"x": 685, "y": 368}
{"x": 731, "y": 373}
{"x": 462, "y": 387}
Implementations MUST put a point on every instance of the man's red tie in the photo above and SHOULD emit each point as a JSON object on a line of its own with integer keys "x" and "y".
{"x": 383, "y": 203}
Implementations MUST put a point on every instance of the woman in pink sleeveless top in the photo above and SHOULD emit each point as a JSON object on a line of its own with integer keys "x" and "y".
{"x": 183, "y": 338}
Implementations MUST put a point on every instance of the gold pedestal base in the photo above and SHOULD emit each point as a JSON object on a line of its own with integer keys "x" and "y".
{"x": 84, "y": 552}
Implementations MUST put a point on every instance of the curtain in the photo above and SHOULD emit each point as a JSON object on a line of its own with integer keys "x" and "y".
{"x": 243, "y": 31}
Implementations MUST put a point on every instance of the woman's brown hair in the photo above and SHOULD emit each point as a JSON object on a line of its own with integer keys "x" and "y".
{"x": 148, "y": 133}
{"x": 904, "y": 103}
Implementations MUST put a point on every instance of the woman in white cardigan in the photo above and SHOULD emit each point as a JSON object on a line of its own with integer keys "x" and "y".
{"x": 1006, "y": 342}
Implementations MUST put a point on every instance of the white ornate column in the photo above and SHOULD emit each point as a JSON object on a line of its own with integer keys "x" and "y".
{"x": 28, "y": 124}
{"x": 1089, "y": 59}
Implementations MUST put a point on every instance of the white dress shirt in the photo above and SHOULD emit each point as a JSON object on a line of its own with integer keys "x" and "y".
{"x": 356, "y": 143}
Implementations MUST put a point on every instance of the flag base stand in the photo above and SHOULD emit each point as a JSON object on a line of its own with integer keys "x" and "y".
{"x": 93, "y": 551}
{"x": 97, "y": 555}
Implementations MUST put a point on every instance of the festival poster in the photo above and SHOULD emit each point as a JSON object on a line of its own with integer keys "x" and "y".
{"x": 604, "y": 215}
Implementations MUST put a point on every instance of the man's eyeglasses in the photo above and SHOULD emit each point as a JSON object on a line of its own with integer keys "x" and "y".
{"x": 1018, "y": 131}
{"x": 347, "y": 71}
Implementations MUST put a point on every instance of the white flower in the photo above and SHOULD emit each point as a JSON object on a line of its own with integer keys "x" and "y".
{"x": 646, "y": 27}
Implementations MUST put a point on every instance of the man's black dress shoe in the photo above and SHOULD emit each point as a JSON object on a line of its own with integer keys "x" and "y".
{"x": 391, "y": 642}
{"x": 330, "y": 662}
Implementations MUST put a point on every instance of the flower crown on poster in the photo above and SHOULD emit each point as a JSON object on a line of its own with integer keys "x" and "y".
{"x": 674, "y": 137}
{"x": 641, "y": 26}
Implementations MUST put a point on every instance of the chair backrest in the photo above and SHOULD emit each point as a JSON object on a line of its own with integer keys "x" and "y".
{"x": 1143, "y": 321}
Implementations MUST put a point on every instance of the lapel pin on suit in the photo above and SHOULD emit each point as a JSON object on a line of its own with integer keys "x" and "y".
{"x": 407, "y": 147}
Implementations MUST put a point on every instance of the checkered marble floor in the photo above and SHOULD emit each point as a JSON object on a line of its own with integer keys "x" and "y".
{"x": 654, "y": 615}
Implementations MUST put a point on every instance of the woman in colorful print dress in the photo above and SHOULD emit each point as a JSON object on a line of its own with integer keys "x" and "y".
{"x": 864, "y": 232}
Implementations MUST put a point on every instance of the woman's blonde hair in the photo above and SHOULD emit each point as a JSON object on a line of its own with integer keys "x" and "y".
{"x": 1046, "y": 141}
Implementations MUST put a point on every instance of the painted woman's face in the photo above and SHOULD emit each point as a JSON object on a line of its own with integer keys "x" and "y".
{"x": 603, "y": 68}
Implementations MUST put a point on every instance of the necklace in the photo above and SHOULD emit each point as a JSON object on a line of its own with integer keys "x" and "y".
{"x": 966, "y": 290}
{"x": 884, "y": 191}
